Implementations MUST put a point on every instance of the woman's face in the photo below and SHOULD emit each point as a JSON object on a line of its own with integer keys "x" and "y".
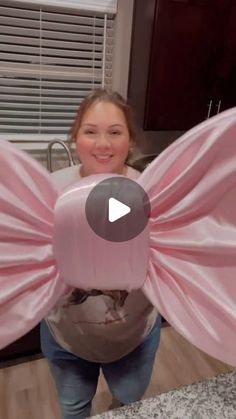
{"x": 103, "y": 139}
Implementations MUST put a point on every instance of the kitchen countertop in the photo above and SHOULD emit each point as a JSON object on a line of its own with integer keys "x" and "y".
{"x": 214, "y": 398}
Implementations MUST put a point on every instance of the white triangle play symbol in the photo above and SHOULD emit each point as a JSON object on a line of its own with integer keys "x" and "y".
{"x": 116, "y": 209}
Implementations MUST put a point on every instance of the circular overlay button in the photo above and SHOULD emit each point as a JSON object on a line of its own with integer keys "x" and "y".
{"x": 117, "y": 209}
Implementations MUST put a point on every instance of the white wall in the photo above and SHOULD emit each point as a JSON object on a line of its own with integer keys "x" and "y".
{"x": 123, "y": 32}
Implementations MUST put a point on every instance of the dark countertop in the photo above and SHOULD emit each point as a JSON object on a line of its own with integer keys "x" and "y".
{"x": 210, "y": 399}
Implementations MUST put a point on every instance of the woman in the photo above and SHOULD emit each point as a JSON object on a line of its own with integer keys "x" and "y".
{"x": 115, "y": 331}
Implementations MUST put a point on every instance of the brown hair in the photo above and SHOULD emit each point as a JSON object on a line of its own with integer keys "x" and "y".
{"x": 104, "y": 95}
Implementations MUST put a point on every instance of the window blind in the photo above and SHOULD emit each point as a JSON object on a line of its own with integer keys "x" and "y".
{"x": 105, "y": 6}
{"x": 50, "y": 58}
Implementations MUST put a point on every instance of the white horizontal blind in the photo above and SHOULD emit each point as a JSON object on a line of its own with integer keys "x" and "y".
{"x": 49, "y": 60}
{"x": 105, "y": 6}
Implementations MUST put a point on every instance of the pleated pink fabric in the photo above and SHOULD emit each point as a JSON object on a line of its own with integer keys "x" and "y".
{"x": 190, "y": 273}
{"x": 29, "y": 279}
{"x": 191, "y": 276}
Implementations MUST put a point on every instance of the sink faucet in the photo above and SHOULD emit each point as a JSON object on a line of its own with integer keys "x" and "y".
{"x": 49, "y": 153}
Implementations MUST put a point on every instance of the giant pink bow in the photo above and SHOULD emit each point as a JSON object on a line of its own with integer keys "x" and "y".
{"x": 186, "y": 255}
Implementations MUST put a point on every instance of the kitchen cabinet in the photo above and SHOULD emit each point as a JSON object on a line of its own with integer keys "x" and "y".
{"x": 191, "y": 70}
{"x": 225, "y": 75}
{"x": 26, "y": 346}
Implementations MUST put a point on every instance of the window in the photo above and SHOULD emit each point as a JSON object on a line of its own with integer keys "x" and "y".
{"x": 50, "y": 58}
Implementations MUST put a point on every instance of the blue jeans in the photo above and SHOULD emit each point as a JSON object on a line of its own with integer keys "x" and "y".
{"x": 76, "y": 379}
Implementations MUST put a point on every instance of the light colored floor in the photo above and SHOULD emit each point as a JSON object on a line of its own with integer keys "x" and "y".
{"x": 27, "y": 390}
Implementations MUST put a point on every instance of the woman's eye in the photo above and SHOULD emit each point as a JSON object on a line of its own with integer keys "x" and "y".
{"x": 115, "y": 132}
{"x": 89, "y": 132}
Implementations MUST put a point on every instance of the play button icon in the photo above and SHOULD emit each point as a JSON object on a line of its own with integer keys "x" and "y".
{"x": 117, "y": 209}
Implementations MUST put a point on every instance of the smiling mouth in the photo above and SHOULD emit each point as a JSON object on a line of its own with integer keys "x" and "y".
{"x": 103, "y": 158}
